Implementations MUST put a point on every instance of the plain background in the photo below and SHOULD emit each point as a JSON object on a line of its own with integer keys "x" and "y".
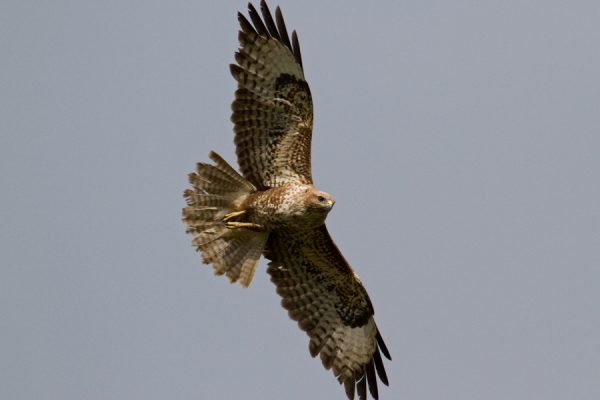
{"x": 461, "y": 140}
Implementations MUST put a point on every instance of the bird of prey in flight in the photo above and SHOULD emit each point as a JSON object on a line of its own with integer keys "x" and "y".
{"x": 273, "y": 208}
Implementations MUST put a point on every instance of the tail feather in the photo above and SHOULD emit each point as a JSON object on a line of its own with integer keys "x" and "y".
{"x": 218, "y": 190}
{"x": 209, "y": 179}
{"x": 252, "y": 256}
{"x": 208, "y": 201}
{"x": 233, "y": 174}
{"x": 237, "y": 257}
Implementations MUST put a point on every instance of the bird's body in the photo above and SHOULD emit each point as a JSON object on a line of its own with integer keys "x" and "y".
{"x": 287, "y": 207}
{"x": 273, "y": 208}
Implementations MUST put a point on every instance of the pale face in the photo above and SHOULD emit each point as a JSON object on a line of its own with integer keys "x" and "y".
{"x": 319, "y": 201}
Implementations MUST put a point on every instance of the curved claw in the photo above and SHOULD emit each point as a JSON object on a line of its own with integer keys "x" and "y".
{"x": 243, "y": 225}
{"x": 233, "y": 214}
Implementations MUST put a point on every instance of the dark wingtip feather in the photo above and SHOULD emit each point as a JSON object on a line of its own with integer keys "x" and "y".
{"x": 361, "y": 388}
{"x": 245, "y": 24}
{"x": 285, "y": 39}
{"x": 261, "y": 29}
{"x": 349, "y": 386}
{"x": 380, "y": 368}
{"x": 270, "y": 28}
{"x": 264, "y": 8}
{"x": 296, "y": 49}
{"x": 383, "y": 347}
{"x": 372, "y": 380}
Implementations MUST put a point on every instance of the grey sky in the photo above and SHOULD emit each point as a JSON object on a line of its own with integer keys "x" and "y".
{"x": 462, "y": 143}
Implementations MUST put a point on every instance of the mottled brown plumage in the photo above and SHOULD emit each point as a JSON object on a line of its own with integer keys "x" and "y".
{"x": 274, "y": 209}
{"x": 272, "y": 110}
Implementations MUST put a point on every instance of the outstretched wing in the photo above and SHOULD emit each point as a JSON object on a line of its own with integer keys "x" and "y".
{"x": 272, "y": 110}
{"x": 322, "y": 292}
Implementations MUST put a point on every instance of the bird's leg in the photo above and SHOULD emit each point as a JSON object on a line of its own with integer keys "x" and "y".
{"x": 227, "y": 219}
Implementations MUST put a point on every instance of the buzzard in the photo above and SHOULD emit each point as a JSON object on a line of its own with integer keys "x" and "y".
{"x": 273, "y": 208}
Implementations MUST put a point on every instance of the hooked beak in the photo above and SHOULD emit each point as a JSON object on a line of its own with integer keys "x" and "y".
{"x": 331, "y": 203}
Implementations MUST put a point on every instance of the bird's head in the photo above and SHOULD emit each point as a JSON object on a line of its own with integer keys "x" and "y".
{"x": 318, "y": 201}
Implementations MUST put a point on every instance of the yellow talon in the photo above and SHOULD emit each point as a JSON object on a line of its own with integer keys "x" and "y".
{"x": 246, "y": 225}
{"x": 234, "y": 214}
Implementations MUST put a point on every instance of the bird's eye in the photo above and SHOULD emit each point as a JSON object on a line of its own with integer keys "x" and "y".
{"x": 321, "y": 199}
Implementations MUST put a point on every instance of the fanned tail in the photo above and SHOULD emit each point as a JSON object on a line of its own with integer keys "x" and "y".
{"x": 218, "y": 190}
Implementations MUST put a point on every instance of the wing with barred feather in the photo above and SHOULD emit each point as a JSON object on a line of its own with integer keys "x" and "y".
{"x": 272, "y": 110}
{"x": 321, "y": 291}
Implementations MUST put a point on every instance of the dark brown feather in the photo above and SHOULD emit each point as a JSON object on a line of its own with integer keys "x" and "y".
{"x": 264, "y": 8}
{"x": 261, "y": 29}
{"x": 383, "y": 347}
{"x": 245, "y": 24}
{"x": 361, "y": 388}
{"x": 372, "y": 380}
{"x": 296, "y": 49}
{"x": 349, "y": 387}
{"x": 282, "y": 29}
{"x": 379, "y": 367}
